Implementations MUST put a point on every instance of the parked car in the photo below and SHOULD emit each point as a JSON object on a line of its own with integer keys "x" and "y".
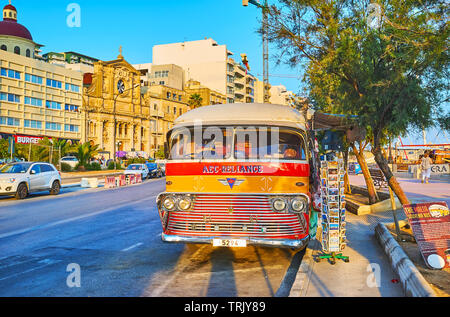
{"x": 162, "y": 166}
{"x": 134, "y": 169}
{"x": 20, "y": 179}
{"x": 72, "y": 161}
{"x": 154, "y": 170}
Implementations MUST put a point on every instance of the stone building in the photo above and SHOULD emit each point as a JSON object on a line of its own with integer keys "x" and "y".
{"x": 115, "y": 116}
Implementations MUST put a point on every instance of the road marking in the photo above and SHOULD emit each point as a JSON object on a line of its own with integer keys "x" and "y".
{"x": 47, "y": 262}
{"x": 158, "y": 291}
{"x": 132, "y": 247}
{"x": 57, "y": 223}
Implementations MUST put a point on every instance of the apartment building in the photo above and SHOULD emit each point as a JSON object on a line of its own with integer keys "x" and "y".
{"x": 210, "y": 64}
{"x": 169, "y": 75}
{"x": 165, "y": 105}
{"x": 38, "y": 100}
{"x": 209, "y": 96}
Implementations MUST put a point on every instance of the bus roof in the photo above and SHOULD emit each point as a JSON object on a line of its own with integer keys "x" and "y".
{"x": 243, "y": 114}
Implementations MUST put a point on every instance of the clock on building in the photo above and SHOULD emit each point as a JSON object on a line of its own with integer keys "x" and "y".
{"x": 120, "y": 86}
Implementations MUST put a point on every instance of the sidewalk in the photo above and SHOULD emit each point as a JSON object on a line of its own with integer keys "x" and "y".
{"x": 353, "y": 279}
{"x": 436, "y": 190}
{"x": 69, "y": 175}
{"x": 356, "y": 278}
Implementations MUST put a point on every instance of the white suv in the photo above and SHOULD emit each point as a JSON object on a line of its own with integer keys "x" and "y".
{"x": 20, "y": 179}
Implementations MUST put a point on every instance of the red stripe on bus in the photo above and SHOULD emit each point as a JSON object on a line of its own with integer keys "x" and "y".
{"x": 247, "y": 168}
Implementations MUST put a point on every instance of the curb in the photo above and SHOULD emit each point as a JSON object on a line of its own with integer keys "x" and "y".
{"x": 414, "y": 284}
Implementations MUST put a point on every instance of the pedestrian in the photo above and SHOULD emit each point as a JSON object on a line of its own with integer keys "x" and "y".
{"x": 426, "y": 167}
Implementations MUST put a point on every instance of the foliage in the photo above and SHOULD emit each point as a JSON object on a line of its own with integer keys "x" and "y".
{"x": 4, "y": 145}
{"x": 195, "y": 101}
{"x": 394, "y": 77}
{"x": 84, "y": 152}
{"x": 112, "y": 167}
{"x": 392, "y": 74}
{"x": 94, "y": 167}
{"x": 136, "y": 160}
{"x": 160, "y": 155}
{"x": 66, "y": 167}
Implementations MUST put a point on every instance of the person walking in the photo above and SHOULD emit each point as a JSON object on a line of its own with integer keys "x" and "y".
{"x": 426, "y": 167}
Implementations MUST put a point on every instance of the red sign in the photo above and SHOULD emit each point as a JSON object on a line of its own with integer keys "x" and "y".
{"x": 430, "y": 223}
{"x": 25, "y": 139}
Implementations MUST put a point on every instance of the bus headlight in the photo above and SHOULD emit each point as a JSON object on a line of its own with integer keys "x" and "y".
{"x": 279, "y": 204}
{"x": 299, "y": 204}
{"x": 169, "y": 203}
{"x": 185, "y": 203}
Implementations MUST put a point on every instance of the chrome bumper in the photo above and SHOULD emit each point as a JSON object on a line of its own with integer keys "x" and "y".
{"x": 277, "y": 243}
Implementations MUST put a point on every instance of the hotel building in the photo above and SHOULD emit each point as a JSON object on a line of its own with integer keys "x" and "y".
{"x": 37, "y": 99}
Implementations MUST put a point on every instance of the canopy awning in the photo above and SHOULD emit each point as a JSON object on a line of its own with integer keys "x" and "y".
{"x": 327, "y": 121}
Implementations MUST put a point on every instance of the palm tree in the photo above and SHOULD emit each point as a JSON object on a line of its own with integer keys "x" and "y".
{"x": 84, "y": 153}
{"x": 55, "y": 146}
{"x": 195, "y": 101}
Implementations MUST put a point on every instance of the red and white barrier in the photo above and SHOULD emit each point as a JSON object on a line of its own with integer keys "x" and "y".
{"x": 110, "y": 182}
{"x": 138, "y": 178}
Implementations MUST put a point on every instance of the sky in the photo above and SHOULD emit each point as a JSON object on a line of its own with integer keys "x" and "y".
{"x": 138, "y": 25}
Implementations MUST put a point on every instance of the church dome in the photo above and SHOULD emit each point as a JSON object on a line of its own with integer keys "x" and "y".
{"x": 9, "y": 25}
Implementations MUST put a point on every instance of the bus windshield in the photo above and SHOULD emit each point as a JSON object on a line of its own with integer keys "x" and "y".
{"x": 241, "y": 143}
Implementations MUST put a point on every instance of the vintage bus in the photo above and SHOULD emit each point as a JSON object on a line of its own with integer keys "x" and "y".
{"x": 237, "y": 175}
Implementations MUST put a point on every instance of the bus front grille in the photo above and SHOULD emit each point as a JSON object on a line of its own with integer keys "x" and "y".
{"x": 236, "y": 216}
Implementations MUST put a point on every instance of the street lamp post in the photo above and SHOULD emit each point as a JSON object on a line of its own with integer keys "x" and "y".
{"x": 265, "y": 25}
{"x": 121, "y": 91}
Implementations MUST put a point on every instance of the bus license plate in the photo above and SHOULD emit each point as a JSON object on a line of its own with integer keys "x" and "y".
{"x": 230, "y": 243}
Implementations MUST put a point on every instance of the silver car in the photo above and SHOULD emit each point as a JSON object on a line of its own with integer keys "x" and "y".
{"x": 20, "y": 179}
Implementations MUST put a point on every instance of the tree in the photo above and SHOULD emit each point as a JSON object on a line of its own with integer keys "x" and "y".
{"x": 386, "y": 63}
{"x": 84, "y": 153}
{"x": 195, "y": 101}
{"x": 4, "y": 146}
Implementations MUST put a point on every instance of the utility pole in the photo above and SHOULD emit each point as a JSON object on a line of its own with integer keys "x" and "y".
{"x": 265, "y": 28}
{"x": 115, "y": 117}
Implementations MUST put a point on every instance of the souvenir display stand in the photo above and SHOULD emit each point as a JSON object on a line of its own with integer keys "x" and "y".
{"x": 333, "y": 211}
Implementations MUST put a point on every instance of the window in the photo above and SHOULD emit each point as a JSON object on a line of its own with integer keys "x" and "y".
{"x": 53, "y": 126}
{"x": 217, "y": 144}
{"x": 28, "y": 53}
{"x": 54, "y": 83}
{"x": 33, "y": 124}
{"x": 73, "y": 88}
{"x": 53, "y": 105}
{"x": 16, "y": 49}
{"x": 71, "y": 108}
{"x": 9, "y": 97}
{"x": 10, "y": 73}
{"x": 174, "y": 110}
{"x": 162, "y": 83}
{"x": 46, "y": 168}
{"x": 269, "y": 143}
{"x": 71, "y": 128}
{"x": 33, "y": 101}
{"x": 36, "y": 169}
{"x": 33, "y": 79}
{"x": 168, "y": 95}
{"x": 4, "y": 48}
{"x": 179, "y": 98}
{"x": 14, "y": 122}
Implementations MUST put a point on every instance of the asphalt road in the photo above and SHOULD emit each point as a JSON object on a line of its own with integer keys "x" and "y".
{"x": 113, "y": 237}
